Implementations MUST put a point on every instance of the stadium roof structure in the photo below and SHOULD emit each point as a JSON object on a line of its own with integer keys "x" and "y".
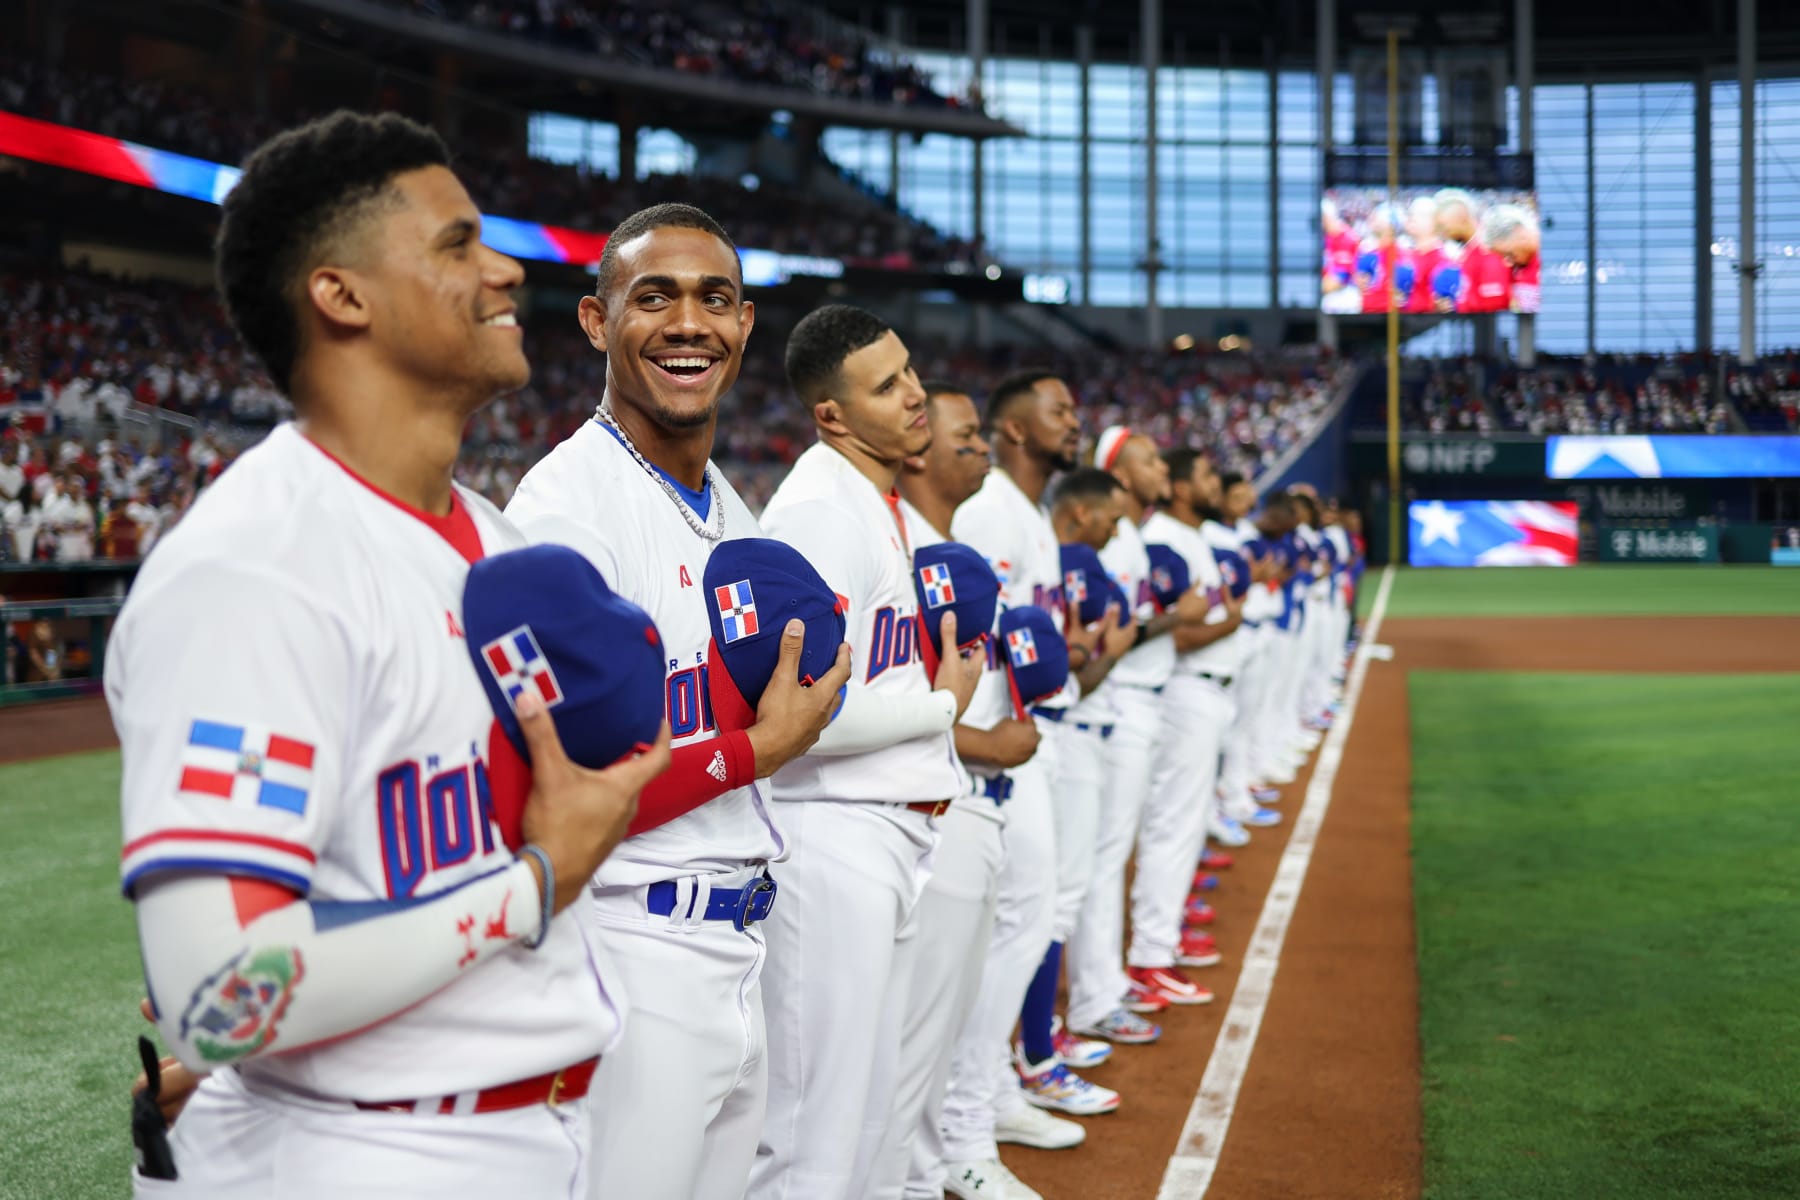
{"x": 1607, "y": 38}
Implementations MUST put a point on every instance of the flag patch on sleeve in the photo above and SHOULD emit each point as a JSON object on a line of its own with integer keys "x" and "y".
{"x": 737, "y": 610}
{"x": 247, "y": 764}
{"x": 517, "y": 662}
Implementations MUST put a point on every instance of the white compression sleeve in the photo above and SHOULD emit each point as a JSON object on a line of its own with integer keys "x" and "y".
{"x": 869, "y": 722}
{"x": 343, "y": 967}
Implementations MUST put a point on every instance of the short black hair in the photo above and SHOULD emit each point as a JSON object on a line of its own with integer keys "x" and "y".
{"x": 942, "y": 387}
{"x": 299, "y": 191}
{"x": 1181, "y": 460}
{"x": 658, "y": 216}
{"x": 1014, "y": 387}
{"x": 1311, "y": 506}
{"x": 1230, "y": 479}
{"x": 1279, "y": 502}
{"x": 1084, "y": 485}
{"x": 820, "y": 343}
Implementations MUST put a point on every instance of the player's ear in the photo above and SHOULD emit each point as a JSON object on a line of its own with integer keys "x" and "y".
{"x": 591, "y": 313}
{"x": 829, "y": 415}
{"x": 335, "y": 294}
{"x": 747, "y": 317}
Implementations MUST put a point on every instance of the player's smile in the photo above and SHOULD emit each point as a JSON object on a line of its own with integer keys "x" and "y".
{"x": 685, "y": 369}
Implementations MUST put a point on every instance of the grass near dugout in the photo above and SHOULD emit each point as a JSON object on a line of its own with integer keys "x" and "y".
{"x": 1591, "y": 589}
{"x": 69, "y": 983}
{"x": 1604, "y": 875}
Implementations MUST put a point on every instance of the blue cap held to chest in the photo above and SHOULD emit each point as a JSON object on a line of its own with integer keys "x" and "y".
{"x": 1235, "y": 569}
{"x": 1036, "y": 657}
{"x": 754, "y": 587}
{"x": 951, "y": 577}
{"x": 1169, "y": 575}
{"x": 1085, "y": 583}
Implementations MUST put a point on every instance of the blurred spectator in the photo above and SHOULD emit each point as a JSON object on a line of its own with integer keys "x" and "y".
{"x": 43, "y": 655}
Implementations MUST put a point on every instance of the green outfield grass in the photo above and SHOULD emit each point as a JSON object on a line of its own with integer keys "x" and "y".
{"x": 70, "y": 983}
{"x": 1591, "y": 589}
{"x": 1605, "y": 872}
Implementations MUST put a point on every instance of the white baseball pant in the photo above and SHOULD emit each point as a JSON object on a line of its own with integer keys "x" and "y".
{"x": 1076, "y": 792}
{"x": 956, "y": 919}
{"x": 1095, "y": 957}
{"x": 1196, "y": 714}
{"x": 232, "y": 1142}
{"x": 981, "y": 1078}
{"x": 1237, "y": 768}
{"x": 841, "y": 947}
{"x": 678, "y": 1106}
{"x": 1278, "y": 730}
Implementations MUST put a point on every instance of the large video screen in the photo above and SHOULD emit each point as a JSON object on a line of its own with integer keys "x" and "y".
{"x": 1433, "y": 250}
{"x": 1672, "y": 456}
{"x": 1493, "y": 533}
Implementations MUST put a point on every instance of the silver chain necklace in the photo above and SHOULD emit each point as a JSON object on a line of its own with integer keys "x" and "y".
{"x": 712, "y": 530}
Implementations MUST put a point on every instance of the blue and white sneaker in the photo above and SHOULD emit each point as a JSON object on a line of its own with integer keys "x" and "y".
{"x": 1264, "y": 794}
{"x": 1262, "y": 818}
{"x": 1226, "y": 830}
{"x": 1053, "y": 1086}
{"x": 1124, "y": 1028}
{"x": 1080, "y": 1053}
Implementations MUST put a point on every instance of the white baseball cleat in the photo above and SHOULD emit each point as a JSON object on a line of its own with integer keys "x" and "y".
{"x": 1028, "y": 1125}
{"x": 987, "y": 1179}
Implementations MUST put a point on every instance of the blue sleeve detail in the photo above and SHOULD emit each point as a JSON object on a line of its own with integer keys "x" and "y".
{"x": 335, "y": 914}
{"x": 215, "y": 866}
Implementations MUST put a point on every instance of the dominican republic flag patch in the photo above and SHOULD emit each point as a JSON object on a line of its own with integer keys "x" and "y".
{"x": 737, "y": 610}
{"x": 938, "y": 589}
{"x": 1021, "y": 647}
{"x": 518, "y": 663}
{"x": 247, "y": 764}
{"x": 1074, "y": 587}
{"x": 1161, "y": 580}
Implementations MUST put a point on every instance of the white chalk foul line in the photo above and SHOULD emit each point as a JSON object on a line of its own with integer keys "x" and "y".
{"x": 1196, "y": 1156}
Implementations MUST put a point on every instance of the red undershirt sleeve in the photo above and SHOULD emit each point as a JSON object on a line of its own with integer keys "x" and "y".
{"x": 692, "y": 780}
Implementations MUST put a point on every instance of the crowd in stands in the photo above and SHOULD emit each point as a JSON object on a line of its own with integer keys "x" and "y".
{"x": 1600, "y": 397}
{"x": 748, "y": 41}
{"x": 1768, "y": 393}
{"x": 91, "y": 356}
{"x": 503, "y": 179}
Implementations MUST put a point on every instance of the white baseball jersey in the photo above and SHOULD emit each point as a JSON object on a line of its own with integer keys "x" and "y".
{"x": 1019, "y": 542}
{"x": 1151, "y": 663}
{"x": 854, "y": 537}
{"x": 295, "y": 703}
{"x": 991, "y": 703}
{"x": 589, "y": 493}
{"x": 1226, "y": 655}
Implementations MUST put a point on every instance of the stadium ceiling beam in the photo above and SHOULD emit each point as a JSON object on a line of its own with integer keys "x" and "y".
{"x": 615, "y": 76}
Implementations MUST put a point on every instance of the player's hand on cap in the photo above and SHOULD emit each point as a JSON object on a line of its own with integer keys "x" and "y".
{"x": 1087, "y": 637}
{"x": 1192, "y": 606}
{"x": 1116, "y": 639}
{"x": 792, "y": 715}
{"x": 576, "y": 815}
{"x": 1012, "y": 743}
{"x": 958, "y": 673}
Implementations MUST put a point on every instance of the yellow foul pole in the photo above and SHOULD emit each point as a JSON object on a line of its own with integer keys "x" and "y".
{"x": 1393, "y": 308}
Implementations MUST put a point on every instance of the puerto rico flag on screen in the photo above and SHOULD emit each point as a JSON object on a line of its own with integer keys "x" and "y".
{"x": 516, "y": 662}
{"x": 1493, "y": 533}
{"x": 938, "y": 589}
{"x": 247, "y": 764}
{"x": 737, "y": 610}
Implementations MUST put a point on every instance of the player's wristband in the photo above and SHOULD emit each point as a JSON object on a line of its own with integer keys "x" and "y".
{"x": 549, "y": 911}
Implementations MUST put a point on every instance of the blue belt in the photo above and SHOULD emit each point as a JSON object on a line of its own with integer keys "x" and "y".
{"x": 997, "y": 788}
{"x": 741, "y": 906}
{"x": 1249, "y": 624}
{"x": 1059, "y": 715}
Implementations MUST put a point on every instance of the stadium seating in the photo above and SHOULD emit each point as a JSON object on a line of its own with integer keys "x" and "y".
{"x": 1607, "y": 395}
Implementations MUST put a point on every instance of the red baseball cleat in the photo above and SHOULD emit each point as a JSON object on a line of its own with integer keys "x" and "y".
{"x": 1199, "y": 912}
{"x": 1197, "y": 949}
{"x": 1144, "y": 999}
{"x": 1214, "y": 860}
{"x": 1175, "y": 987}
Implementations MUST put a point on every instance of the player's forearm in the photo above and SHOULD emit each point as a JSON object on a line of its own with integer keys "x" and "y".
{"x": 697, "y": 774}
{"x": 869, "y": 722}
{"x": 314, "y": 971}
{"x": 977, "y": 745}
{"x": 1161, "y": 623}
{"x": 1199, "y": 635}
{"x": 1094, "y": 674}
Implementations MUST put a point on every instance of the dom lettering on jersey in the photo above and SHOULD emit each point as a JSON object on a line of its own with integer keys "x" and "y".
{"x": 542, "y": 619}
{"x": 754, "y": 587}
{"x": 953, "y": 578}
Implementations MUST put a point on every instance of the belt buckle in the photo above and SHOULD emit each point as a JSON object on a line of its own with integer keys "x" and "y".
{"x": 556, "y": 1088}
{"x": 747, "y": 907}
{"x": 940, "y": 808}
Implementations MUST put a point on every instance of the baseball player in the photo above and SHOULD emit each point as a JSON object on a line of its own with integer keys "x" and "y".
{"x": 1197, "y": 710}
{"x": 860, "y": 811}
{"x": 1229, "y": 529}
{"x": 1271, "y": 750}
{"x": 1133, "y": 691}
{"x": 1032, "y": 423}
{"x": 957, "y": 907}
{"x": 331, "y": 920}
{"x": 678, "y": 1106}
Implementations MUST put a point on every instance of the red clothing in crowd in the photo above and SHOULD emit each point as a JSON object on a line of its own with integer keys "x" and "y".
{"x": 1527, "y": 291}
{"x": 1426, "y": 263}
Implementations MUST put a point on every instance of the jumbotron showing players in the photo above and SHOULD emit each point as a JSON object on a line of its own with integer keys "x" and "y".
{"x": 1440, "y": 250}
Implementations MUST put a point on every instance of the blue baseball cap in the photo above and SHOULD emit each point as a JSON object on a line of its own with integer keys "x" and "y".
{"x": 1236, "y": 570}
{"x": 754, "y": 587}
{"x": 1169, "y": 575}
{"x": 1035, "y": 654}
{"x": 542, "y": 618}
{"x": 952, "y": 577}
{"x": 1084, "y": 583}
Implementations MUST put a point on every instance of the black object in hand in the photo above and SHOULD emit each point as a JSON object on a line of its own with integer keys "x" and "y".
{"x": 149, "y": 1132}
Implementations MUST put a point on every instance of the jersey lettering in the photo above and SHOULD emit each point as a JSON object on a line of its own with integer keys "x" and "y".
{"x": 432, "y": 828}
{"x": 689, "y": 703}
{"x": 455, "y": 629}
{"x": 687, "y": 580}
{"x": 892, "y": 643}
